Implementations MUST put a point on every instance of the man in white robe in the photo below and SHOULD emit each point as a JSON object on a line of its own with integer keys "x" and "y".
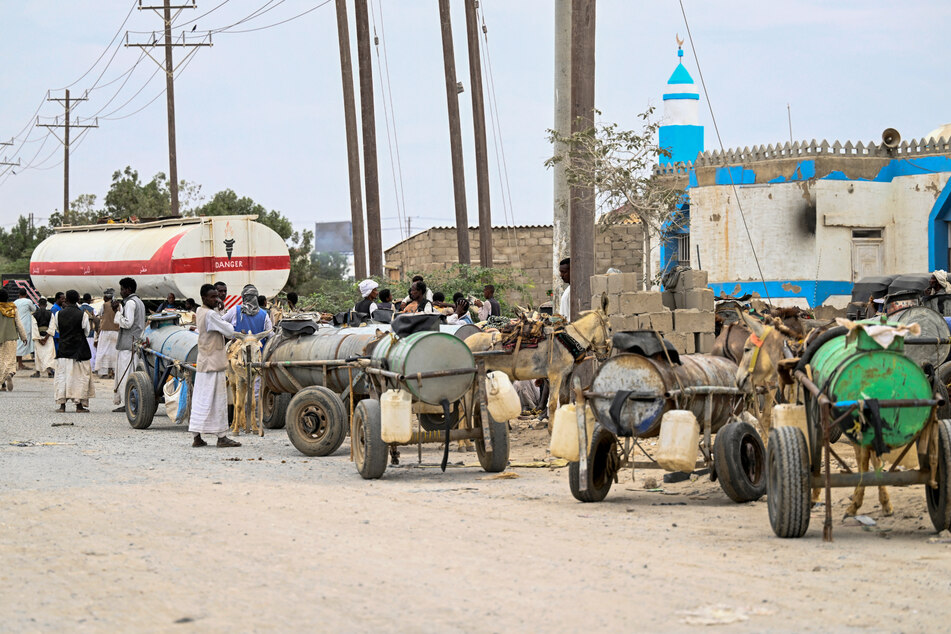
{"x": 25, "y": 308}
{"x": 130, "y": 317}
{"x": 106, "y": 339}
{"x": 44, "y": 348}
{"x": 209, "y": 413}
{"x": 73, "y": 380}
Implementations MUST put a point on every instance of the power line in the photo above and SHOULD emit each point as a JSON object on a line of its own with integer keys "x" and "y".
{"x": 106, "y": 50}
{"x": 261, "y": 28}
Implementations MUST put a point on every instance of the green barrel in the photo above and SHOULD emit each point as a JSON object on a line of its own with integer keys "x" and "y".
{"x": 427, "y": 352}
{"x": 861, "y": 370}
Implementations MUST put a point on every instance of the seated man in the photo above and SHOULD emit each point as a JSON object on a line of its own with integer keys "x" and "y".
{"x": 418, "y": 301}
{"x": 367, "y": 305}
{"x": 460, "y": 314}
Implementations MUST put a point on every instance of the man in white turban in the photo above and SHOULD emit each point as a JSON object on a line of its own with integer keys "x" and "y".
{"x": 939, "y": 283}
{"x": 367, "y": 305}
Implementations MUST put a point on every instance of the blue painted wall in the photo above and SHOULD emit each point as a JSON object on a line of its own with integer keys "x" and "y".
{"x": 812, "y": 291}
{"x": 683, "y": 141}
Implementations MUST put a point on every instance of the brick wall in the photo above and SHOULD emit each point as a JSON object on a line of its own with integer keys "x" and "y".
{"x": 527, "y": 249}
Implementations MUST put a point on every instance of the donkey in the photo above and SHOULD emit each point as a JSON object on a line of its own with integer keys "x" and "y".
{"x": 551, "y": 359}
{"x": 248, "y": 411}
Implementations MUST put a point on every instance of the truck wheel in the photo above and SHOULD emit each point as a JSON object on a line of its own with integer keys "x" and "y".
{"x": 602, "y": 467}
{"x": 739, "y": 458}
{"x": 140, "y": 402}
{"x": 316, "y": 421}
{"x": 498, "y": 459}
{"x": 369, "y": 450}
{"x": 787, "y": 493}
{"x": 275, "y": 409}
{"x": 939, "y": 499}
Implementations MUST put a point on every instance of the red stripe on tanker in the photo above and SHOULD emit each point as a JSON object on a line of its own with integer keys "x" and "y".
{"x": 186, "y": 252}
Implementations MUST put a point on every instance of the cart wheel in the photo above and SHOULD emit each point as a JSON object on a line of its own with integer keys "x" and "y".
{"x": 739, "y": 458}
{"x": 602, "y": 466}
{"x": 369, "y": 450}
{"x": 787, "y": 495}
{"x": 316, "y": 421}
{"x": 498, "y": 459}
{"x": 140, "y": 403}
{"x": 275, "y": 409}
{"x": 939, "y": 499}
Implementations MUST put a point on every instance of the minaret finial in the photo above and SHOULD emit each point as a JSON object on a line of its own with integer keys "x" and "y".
{"x": 680, "y": 44}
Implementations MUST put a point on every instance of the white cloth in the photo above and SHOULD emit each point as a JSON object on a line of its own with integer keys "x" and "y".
{"x": 73, "y": 381}
{"x": 125, "y": 318}
{"x": 91, "y": 341}
{"x": 367, "y": 286}
{"x": 942, "y": 277}
{"x": 564, "y": 307}
{"x": 25, "y": 309}
{"x": 106, "y": 353}
{"x": 44, "y": 354}
{"x": 123, "y": 371}
{"x": 429, "y": 296}
{"x": 214, "y": 322}
{"x": 209, "y": 413}
{"x": 87, "y": 324}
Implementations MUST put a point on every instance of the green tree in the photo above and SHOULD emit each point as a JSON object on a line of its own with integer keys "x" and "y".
{"x": 330, "y": 265}
{"x": 618, "y": 165}
{"x": 17, "y": 245}
{"x": 128, "y": 197}
{"x": 300, "y": 244}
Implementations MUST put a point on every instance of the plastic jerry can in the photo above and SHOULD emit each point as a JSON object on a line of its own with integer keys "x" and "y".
{"x": 679, "y": 441}
{"x": 502, "y": 398}
{"x": 564, "y": 432}
{"x": 396, "y": 416}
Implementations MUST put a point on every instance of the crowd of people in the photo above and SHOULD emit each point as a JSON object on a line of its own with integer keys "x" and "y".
{"x": 376, "y": 303}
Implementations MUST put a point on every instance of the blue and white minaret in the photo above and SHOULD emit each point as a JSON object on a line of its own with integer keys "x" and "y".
{"x": 681, "y": 133}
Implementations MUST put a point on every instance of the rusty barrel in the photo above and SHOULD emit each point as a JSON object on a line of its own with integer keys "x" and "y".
{"x": 326, "y": 344}
{"x": 933, "y": 326}
{"x": 640, "y": 385}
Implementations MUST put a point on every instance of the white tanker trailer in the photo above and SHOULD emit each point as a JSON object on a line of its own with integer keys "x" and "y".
{"x": 177, "y": 255}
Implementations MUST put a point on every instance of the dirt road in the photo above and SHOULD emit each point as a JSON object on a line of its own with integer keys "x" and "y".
{"x": 106, "y": 528}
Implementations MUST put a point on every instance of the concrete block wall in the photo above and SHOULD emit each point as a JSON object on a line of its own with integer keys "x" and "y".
{"x": 528, "y": 249}
{"x": 682, "y": 315}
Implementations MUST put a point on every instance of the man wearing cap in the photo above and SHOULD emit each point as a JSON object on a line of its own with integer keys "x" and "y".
{"x": 367, "y": 305}
{"x": 107, "y": 337}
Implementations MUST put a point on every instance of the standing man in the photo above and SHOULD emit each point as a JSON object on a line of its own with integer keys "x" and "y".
{"x": 222, "y": 289}
{"x": 490, "y": 307}
{"x": 209, "y": 413}
{"x": 564, "y": 307}
{"x": 25, "y": 308}
{"x": 106, "y": 354}
{"x": 10, "y": 330}
{"x": 130, "y": 317}
{"x": 87, "y": 307}
{"x": 292, "y": 301}
{"x": 73, "y": 369}
{"x": 44, "y": 353}
{"x": 250, "y": 319}
{"x": 58, "y": 300}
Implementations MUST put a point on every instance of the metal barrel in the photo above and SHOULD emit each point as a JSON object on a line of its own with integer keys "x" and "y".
{"x": 177, "y": 342}
{"x": 861, "y": 369}
{"x": 326, "y": 344}
{"x": 424, "y": 352}
{"x": 932, "y": 325}
{"x": 650, "y": 381}
{"x": 460, "y": 331}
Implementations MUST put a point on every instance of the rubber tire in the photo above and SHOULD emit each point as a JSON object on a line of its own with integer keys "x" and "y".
{"x": 333, "y": 426}
{"x": 140, "y": 401}
{"x": 788, "y": 494}
{"x": 602, "y": 441}
{"x": 939, "y": 500}
{"x": 277, "y": 417}
{"x": 498, "y": 459}
{"x": 369, "y": 451}
{"x": 739, "y": 458}
{"x": 437, "y": 422}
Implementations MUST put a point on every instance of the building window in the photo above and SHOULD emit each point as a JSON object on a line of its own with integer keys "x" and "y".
{"x": 683, "y": 249}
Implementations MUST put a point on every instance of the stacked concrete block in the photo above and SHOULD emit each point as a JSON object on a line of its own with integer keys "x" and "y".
{"x": 630, "y": 308}
{"x": 697, "y": 326}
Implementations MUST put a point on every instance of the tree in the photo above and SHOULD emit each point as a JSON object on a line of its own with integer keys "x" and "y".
{"x": 330, "y": 265}
{"x": 17, "y": 245}
{"x": 128, "y": 197}
{"x": 618, "y": 164}
{"x": 300, "y": 244}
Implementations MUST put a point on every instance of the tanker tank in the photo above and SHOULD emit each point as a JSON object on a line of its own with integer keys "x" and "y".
{"x": 175, "y": 255}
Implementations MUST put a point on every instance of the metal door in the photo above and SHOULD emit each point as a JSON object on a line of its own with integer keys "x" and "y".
{"x": 866, "y": 257}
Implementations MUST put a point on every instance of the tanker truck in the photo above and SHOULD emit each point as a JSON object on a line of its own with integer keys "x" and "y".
{"x": 175, "y": 255}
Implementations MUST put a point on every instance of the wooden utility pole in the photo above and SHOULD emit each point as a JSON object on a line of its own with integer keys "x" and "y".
{"x": 169, "y": 67}
{"x": 6, "y": 163}
{"x": 561, "y": 219}
{"x": 453, "y": 88}
{"x": 478, "y": 125}
{"x": 582, "y": 118}
{"x": 66, "y": 125}
{"x": 353, "y": 148}
{"x": 370, "y": 175}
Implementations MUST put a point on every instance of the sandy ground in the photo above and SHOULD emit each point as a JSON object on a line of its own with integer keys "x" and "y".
{"x": 107, "y": 528}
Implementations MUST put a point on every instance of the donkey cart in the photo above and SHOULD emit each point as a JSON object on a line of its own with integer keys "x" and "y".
{"x": 432, "y": 369}
{"x": 629, "y": 396}
{"x": 866, "y": 386}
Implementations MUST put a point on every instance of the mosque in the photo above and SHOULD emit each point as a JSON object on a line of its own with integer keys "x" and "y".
{"x": 820, "y": 215}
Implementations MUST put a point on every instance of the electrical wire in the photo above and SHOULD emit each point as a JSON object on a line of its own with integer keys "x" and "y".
{"x": 716, "y": 129}
{"x": 210, "y": 11}
{"x": 261, "y": 28}
{"x": 106, "y": 50}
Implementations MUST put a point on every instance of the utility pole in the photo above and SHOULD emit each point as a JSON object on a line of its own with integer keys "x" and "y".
{"x": 582, "y": 118}
{"x": 370, "y": 175}
{"x": 478, "y": 125}
{"x": 66, "y": 125}
{"x": 4, "y": 162}
{"x": 353, "y": 148}
{"x": 453, "y": 88}
{"x": 169, "y": 67}
{"x": 561, "y": 218}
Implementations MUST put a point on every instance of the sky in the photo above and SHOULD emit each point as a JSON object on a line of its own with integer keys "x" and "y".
{"x": 261, "y": 111}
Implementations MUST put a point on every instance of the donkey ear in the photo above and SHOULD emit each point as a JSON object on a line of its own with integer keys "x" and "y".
{"x": 752, "y": 323}
{"x": 604, "y": 303}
